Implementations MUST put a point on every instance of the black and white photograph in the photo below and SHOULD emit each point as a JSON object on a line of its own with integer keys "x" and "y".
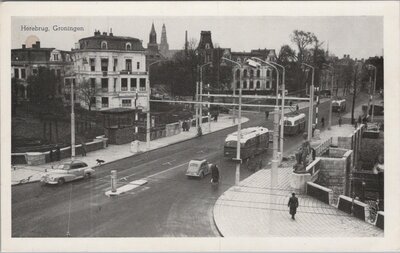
{"x": 196, "y": 124}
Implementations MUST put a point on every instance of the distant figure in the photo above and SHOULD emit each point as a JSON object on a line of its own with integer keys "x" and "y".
{"x": 214, "y": 174}
{"x": 323, "y": 122}
{"x": 216, "y": 117}
{"x": 340, "y": 120}
{"x": 293, "y": 204}
{"x": 297, "y": 107}
{"x": 266, "y": 114}
{"x": 51, "y": 154}
{"x": 83, "y": 148}
{"x": 290, "y": 103}
{"x": 58, "y": 153}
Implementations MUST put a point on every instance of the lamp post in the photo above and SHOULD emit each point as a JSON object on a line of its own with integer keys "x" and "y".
{"x": 148, "y": 126}
{"x": 201, "y": 92}
{"x": 283, "y": 108}
{"x": 373, "y": 92}
{"x": 311, "y": 106}
{"x": 277, "y": 75}
{"x": 238, "y": 159}
{"x": 330, "y": 101}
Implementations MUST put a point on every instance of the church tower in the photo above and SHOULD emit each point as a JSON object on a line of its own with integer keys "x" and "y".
{"x": 164, "y": 47}
{"x": 152, "y": 45}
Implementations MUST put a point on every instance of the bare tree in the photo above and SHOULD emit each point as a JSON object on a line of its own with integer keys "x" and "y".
{"x": 87, "y": 91}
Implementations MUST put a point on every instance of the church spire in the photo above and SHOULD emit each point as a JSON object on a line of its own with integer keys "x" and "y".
{"x": 153, "y": 35}
{"x": 164, "y": 47}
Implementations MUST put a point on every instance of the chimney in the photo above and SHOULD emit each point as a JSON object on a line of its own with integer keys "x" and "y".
{"x": 37, "y": 44}
{"x": 23, "y": 46}
{"x": 105, "y": 33}
{"x": 96, "y": 33}
{"x": 111, "y": 33}
{"x": 344, "y": 57}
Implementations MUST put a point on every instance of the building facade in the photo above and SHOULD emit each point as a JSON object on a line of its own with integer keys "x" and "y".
{"x": 252, "y": 76}
{"x": 30, "y": 59}
{"x": 114, "y": 67}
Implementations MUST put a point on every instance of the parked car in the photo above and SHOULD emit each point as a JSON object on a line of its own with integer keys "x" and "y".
{"x": 66, "y": 172}
{"x": 198, "y": 168}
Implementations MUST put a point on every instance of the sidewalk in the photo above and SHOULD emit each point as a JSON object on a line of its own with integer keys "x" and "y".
{"x": 255, "y": 209}
{"x": 26, "y": 173}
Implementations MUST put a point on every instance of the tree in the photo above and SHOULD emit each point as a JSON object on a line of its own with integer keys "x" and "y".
{"x": 43, "y": 86}
{"x": 302, "y": 40}
{"x": 87, "y": 91}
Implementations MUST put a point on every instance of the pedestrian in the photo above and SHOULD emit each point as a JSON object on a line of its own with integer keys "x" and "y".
{"x": 293, "y": 204}
{"x": 51, "y": 154}
{"x": 214, "y": 174}
{"x": 83, "y": 148}
{"x": 58, "y": 153}
{"x": 340, "y": 120}
{"x": 323, "y": 122}
{"x": 297, "y": 107}
{"x": 266, "y": 114}
{"x": 290, "y": 103}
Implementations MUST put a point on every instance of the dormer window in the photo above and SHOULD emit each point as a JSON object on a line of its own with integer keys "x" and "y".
{"x": 55, "y": 57}
{"x": 103, "y": 45}
{"x": 128, "y": 46}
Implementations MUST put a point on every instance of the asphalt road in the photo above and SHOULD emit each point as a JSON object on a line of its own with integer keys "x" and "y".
{"x": 169, "y": 205}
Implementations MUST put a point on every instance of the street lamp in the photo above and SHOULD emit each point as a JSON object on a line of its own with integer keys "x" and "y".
{"x": 238, "y": 159}
{"x": 148, "y": 126}
{"x": 311, "y": 106}
{"x": 201, "y": 92}
{"x": 330, "y": 102}
{"x": 373, "y": 91}
{"x": 277, "y": 75}
{"x": 283, "y": 107}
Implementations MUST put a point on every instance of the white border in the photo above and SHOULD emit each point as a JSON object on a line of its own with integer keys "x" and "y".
{"x": 388, "y": 9}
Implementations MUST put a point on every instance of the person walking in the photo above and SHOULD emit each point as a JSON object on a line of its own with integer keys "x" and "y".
{"x": 297, "y": 107}
{"x": 266, "y": 114}
{"x": 58, "y": 153}
{"x": 51, "y": 153}
{"x": 83, "y": 148}
{"x": 340, "y": 120}
{"x": 322, "y": 122}
{"x": 293, "y": 204}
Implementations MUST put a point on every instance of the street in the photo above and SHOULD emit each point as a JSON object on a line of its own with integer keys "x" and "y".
{"x": 169, "y": 205}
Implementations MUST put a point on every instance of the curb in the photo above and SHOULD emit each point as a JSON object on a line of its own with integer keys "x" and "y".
{"x": 144, "y": 152}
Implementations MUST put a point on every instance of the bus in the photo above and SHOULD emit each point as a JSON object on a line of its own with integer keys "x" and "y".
{"x": 339, "y": 105}
{"x": 294, "y": 123}
{"x": 253, "y": 140}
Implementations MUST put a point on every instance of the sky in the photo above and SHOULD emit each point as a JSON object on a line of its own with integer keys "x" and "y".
{"x": 358, "y": 36}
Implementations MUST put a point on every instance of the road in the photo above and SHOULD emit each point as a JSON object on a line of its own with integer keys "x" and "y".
{"x": 169, "y": 205}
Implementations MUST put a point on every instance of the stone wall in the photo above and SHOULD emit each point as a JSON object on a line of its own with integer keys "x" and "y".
{"x": 336, "y": 152}
{"x": 121, "y": 135}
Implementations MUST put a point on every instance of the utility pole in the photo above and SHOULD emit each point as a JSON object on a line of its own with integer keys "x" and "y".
{"x": 373, "y": 96}
{"x": 275, "y": 158}
{"x": 354, "y": 94}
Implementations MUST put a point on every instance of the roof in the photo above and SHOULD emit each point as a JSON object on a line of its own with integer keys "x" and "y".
{"x": 198, "y": 162}
{"x": 247, "y": 134}
{"x": 294, "y": 116}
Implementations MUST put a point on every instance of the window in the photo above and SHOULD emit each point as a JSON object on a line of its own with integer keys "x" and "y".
{"x": 58, "y": 71}
{"x": 238, "y": 85}
{"x": 251, "y": 85}
{"x": 258, "y": 85}
{"x": 93, "y": 83}
{"x": 142, "y": 84}
{"x": 245, "y": 73}
{"x": 103, "y": 45}
{"x": 124, "y": 84}
{"x": 133, "y": 84}
{"x": 258, "y": 73}
{"x": 268, "y": 85}
{"x": 115, "y": 64}
{"x": 138, "y": 65}
{"x": 238, "y": 74}
{"x": 92, "y": 100}
{"x": 35, "y": 71}
{"x": 55, "y": 57}
{"x": 92, "y": 64}
{"x": 115, "y": 84}
{"x": 23, "y": 74}
{"x": 128, "y": 64}
{"x": 16, "y": 73}
{"x": 104, "y": 102}
{"x": 128, "y": 46}
{"x": 244, "y": 84}
{"x": 268, "y": 73}
{"x": 104, "y": 64}
{"x": 126, "y": 103}
{"x": 251, "y": 73}
{"x": 207, "y": 46}
{"x": 104, "y": 84}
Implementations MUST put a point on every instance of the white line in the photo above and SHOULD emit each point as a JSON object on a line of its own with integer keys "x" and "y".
{"x": 161, "y": 172}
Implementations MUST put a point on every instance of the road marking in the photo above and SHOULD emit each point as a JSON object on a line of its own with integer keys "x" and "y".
{"x": 128, "y": 187}
{"x": 169, "y": 163}
{"x": 161, "y": 172}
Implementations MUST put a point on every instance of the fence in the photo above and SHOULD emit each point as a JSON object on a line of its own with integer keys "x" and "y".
{"x": 323, "y": 147}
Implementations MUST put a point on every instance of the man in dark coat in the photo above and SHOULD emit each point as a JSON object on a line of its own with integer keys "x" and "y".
{"x": 293, "y": 204}
{"x": 214, "y": 173}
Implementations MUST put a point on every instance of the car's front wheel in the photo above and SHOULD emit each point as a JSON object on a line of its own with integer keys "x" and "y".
{"x": 61, "y": 181}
